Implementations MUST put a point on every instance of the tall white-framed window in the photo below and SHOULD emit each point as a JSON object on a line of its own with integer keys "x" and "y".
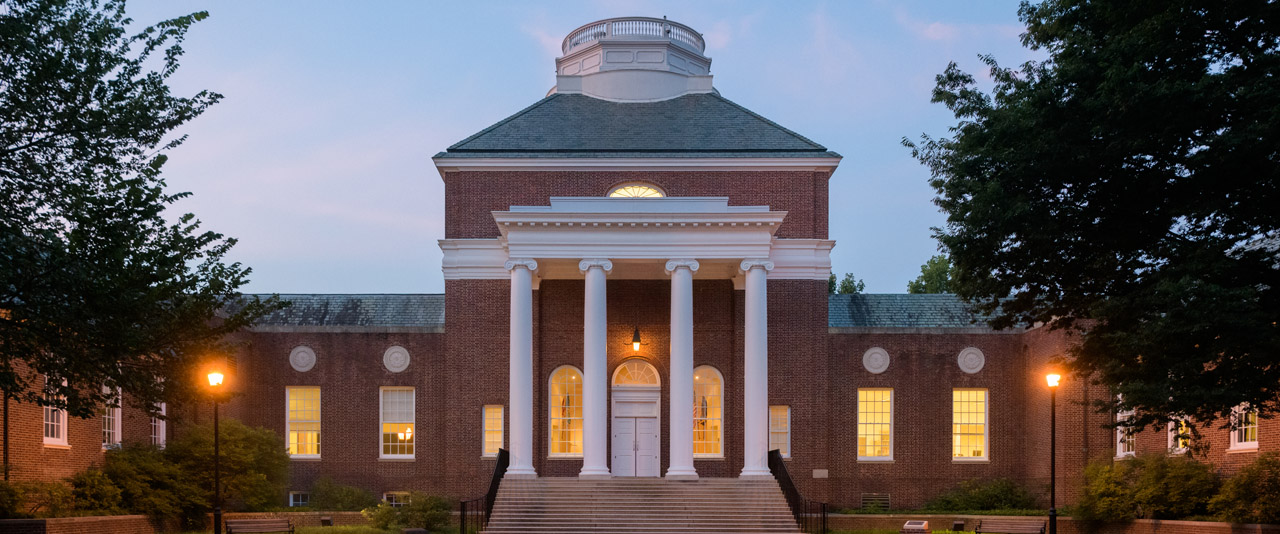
{"x": 492, "y": 429}
{"x": 1244, "y": 428}
{"x": 875, "y": 424}
{"x": 111, "y": 420}
{"x": 780, "y": 430}
{"x": 55, "y": 423}
{"x": 397, "y": 418}
{"x": 1126, "y": 437}
{"x": 708, "y": 412}
{"x": 303, "y": 423}
{"x": 564, "y": 412}
{"x": 159, "y": 432}
{"x": 969, "y": 410}
{"x": 1179, "y": 436}
{"x": 396, "y": 498}
{"x": 299, "y": 498}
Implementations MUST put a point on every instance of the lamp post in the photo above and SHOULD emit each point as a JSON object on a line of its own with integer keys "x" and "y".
{"x": 215, "y": 384}
{"x": 1052, "y": 379}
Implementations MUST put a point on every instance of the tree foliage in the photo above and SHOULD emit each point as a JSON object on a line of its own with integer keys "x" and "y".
{"x": 1150, "y": 486}
{"x": 935, "y": 276}
{"x": 1127, "y": 187}
{"x": 1253, "y": 494}
{"x": 98, "y": 285}
{"x": 848, "y": 285}
{"x": 255, "y": 463}
{"x": 328, "y": 495}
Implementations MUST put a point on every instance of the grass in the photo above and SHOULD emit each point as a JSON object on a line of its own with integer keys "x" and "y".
{"x": 344, "y": 530}
{"x": 892, "y": 531}
{"x": 1015, "y": 512}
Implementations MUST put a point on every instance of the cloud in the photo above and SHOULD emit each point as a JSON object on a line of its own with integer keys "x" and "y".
{"x": 947, "y": 32}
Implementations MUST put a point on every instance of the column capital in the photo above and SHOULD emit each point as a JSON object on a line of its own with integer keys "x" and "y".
{"x": 749, "y": 264}
{"x": 672, "y": 265}
{"x": 527, "y": 263}
{"x": 604, "y": 264}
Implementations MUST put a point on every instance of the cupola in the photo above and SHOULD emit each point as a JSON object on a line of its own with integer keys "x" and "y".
{"x": 633, "y": 59}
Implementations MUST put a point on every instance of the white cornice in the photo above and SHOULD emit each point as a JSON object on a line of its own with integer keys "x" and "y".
{"x": 444, "y": 165}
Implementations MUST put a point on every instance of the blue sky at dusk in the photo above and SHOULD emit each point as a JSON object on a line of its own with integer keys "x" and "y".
{"x": 318, "y": 159}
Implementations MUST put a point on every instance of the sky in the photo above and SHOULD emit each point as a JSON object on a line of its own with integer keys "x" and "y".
{"x": 318, "y": 159}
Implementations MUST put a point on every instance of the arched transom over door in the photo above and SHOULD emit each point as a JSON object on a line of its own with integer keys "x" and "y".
{"x": 636, "y": 420}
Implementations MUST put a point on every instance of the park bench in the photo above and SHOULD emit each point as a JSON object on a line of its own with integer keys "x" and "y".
{"x": 247, "y": 526}
{"x": 1010, "y": 526}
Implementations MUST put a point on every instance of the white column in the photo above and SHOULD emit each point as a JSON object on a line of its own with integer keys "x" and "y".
{"x": 521, "y": 379}
{"x": 755, "y": 403}
{"x": 595, "y": 430}
{"x": 680, "y": 435}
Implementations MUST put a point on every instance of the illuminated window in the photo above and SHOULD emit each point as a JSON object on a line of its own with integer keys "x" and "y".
{"x": 1126, "y": 438}
{"x": 636, "y": 191}
{"x": 635, "y": 373}
{"x": 969, "y": 424}
{"x": 111, "y": 421}
{"x": 708, "y": 413}
{"x": 397, "y": 422}
{"x": 396, "y": 498}
{"x": 1179, "y": 436}
{"x": 492, "y": 429}
{"x": 304, "y": 421}
{"x": 1244, "y": 428}
{"x": 780, "y": 430}
{"x": 875, "y": 425}
{"x": 158, "y": 431}
{"x": 565, "y": 403}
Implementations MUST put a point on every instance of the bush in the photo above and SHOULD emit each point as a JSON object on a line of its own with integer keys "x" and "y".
{"x": 10, "y": 502}
{"x": 150, "y": 484}
{"x": 94, "y": 493}
{"x": 1154, "y": 486}
{"x": 328, "y": 495}
{"x": 44, "y": 499}
{"x": 422, "y": 511}
{"x": 998, "y": 494}
{"x": 255, "y": 464}
{"x": 1253, "y": 494}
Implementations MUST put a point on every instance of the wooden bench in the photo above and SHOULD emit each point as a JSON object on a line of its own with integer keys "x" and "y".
{"x": 246, "y": 526}
{"x": 1010, "y": 526}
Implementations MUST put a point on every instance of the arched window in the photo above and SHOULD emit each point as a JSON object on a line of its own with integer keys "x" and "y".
{"x": 708, "y": 413}
{"x": 637, "y": 190}
{"x": 636, "y": 373}
{"x": 565, "y": 411}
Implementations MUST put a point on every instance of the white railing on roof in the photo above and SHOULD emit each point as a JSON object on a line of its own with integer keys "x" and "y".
{"x": 634, "y": 26}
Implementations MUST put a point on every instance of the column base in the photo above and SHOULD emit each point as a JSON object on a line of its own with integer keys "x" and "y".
{"x": 681, "y": 474}
{"x": 527, "y": 473}
{"x": 595, "y": 474}
{"x": 755, "y": 474}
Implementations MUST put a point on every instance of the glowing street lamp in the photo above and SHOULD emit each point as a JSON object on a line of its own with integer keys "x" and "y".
{"x": 215, "y": 385}
{"x": 1052, "y": 379}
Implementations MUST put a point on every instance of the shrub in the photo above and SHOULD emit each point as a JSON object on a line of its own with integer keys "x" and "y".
{"x": 10, "y": 502}
{"x": 150, "y": 484}
{"x": 383, "y": 516}
{"x": 255, "y": 464}
{"x": 422, "y": 511}
{"x": 1253, "y": 494}
{"x": 94, "y": 493}
{"x": 998, "y": 494}
{"x": 1153, "y": 486}
{"x": 330, "y": 496}
{"x": 44, "y": 499}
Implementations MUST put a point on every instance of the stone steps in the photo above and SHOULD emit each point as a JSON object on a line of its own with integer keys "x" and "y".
{"x": 640, "y": 506}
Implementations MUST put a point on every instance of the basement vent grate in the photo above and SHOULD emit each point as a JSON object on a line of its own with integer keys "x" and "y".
{"x": 879, "y": 501}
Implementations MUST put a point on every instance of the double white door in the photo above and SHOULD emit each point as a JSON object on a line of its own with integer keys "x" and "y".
{"x": 635, "y": 447}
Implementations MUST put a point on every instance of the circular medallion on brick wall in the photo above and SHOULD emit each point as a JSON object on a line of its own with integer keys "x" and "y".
{"x": 396, "y": 359}
{"x": 876, "y": 360}
{"x": 302, "y": 359}
{"x": 971, "y": 360}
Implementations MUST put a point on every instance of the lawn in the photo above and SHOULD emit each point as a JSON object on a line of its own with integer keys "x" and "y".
{"x": 348, "y": 530}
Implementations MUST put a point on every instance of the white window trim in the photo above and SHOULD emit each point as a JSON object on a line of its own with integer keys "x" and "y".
{"x": 892, "y": 421}
{"x": 1121, "y": 434}
{"x": 116, "y": 422}
{"x": 1172, "y": 432}
{"x": 724, "y": 412}
{"x": 59, "y": 441}
{"x": 288, "y": 390}
{"x": 484, "y": 429}
{"x": 551, "y": 411}
{"x": 986, "y": 428}
{"x": 1243, "y": 445}
{"x": 291, "y": 495}
{"x": 160, "y": 427}
{"x": 788, "y": 407}
{"x": 381, "y": 423}
{"x": 404, "y": 494}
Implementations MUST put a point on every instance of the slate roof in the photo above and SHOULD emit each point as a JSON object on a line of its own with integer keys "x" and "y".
{"x": 900, "y": 311}
{"x": 695, "y": 125}
{"x": 369, "y": 310}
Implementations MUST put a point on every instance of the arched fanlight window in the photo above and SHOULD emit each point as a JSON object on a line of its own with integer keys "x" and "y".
{"x": 708, "y": 412}
{"x": 565, "y": 412}
{"x": 635, "y": 373}
{"x": 636, "y": 190}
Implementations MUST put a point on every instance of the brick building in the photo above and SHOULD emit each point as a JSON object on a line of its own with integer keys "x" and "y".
{"x": 636, "y": 285}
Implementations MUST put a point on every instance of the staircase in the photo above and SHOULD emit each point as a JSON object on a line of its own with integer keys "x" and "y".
{"x": 640, "y": 506}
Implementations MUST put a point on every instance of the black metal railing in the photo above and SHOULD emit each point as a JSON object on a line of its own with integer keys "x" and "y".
{"x": 474, "y": 514}
{"x": 810, "y": 515}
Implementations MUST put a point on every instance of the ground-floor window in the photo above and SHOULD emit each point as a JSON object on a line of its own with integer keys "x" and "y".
{"x": 1244, "y": 428}
{"x": 492, "y": 429}
{"x": 304, "y": 421}
{"x": 1179, "y": 436}
{"x": 158, "y": 427}
{"x": 397, "y": 410}
{"x": 55, "y": 423}
{"x": 299, "y": 498}
{"x": 396, "y": 498}
{"x": 1126, "y": 437}
{"x": 875, "y": 424}
{"x": 708, "y": 413}
{"x": 969, "y": 424}
{"x": 565, "y": 407}
{"x": 780, "y": 430}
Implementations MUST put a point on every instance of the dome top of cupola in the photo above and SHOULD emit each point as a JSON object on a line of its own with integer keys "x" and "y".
{"x": 633, "y": 59}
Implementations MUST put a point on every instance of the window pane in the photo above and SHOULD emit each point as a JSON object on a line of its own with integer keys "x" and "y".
{"x": 875, "y": 423}
{"x": 708, "y": 412}
{"x": 398, "y": 429}
{"x": 969, "y": 423}
{"x": 304, "y": 420}
{"x": 566, "y": 412}
{"x": 780, "y": 429}
{"x": 492, "y": 429}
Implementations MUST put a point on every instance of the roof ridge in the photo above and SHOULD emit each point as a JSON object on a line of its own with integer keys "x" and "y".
{"x": 458, "y": 145}
{"x": 817, "y": 146}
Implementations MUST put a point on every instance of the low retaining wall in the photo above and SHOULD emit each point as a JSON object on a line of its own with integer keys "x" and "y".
{"x": 1066, "y": 525}
{"x": 300, "y": 519}
{"x": 107, "y": 524}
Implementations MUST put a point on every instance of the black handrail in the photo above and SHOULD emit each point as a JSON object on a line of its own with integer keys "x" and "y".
{"x": 810, "y": 515}
{"x": 474, "y": 514}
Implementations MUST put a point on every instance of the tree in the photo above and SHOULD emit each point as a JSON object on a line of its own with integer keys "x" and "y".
{"x": 935, "y": 276}
{"x": 98, "y": 288}
{"x": 1126, "y": 188}
{"x": 831, "y": 283}
{"x": 850, "y": 285}
{"x": 255, "y": 463}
